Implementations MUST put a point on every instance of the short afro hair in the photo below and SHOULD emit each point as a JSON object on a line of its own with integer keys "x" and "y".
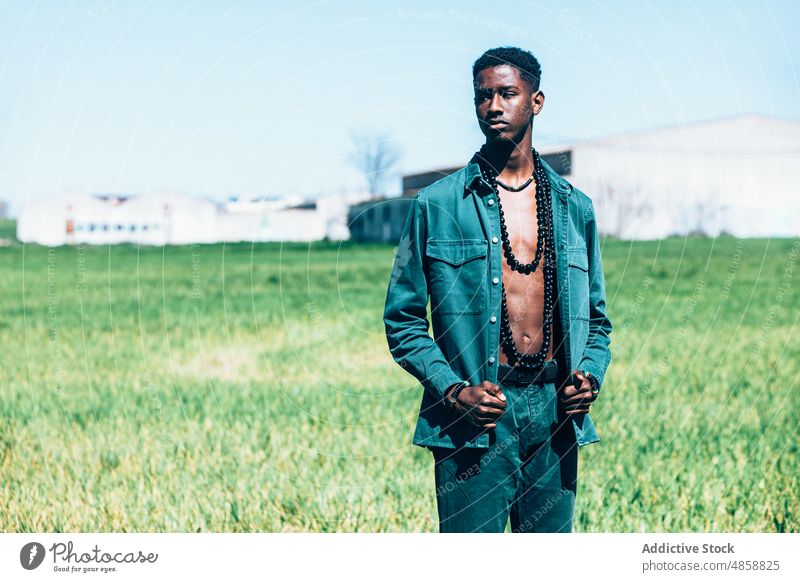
{"x": 524, "y": 61}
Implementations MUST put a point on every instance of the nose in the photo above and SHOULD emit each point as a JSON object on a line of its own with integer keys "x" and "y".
{"x": 494, "y": 104}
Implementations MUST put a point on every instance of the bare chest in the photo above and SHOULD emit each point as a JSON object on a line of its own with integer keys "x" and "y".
{"x": 519, "y": 215}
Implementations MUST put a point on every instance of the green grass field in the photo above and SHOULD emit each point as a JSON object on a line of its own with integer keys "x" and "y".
{"x": 243, "y": 388}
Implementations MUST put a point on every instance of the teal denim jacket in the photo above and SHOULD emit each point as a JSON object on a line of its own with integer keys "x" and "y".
{"x": 451, "y": 250}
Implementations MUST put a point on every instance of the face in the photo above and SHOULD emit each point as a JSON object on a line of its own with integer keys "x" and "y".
{"x": 504, "y": 104}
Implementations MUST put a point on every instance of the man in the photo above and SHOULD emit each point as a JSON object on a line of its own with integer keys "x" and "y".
{"x": 508, "y": 252}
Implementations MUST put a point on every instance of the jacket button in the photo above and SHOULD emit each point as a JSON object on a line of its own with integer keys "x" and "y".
{"x": 495, "y": 280}
{"x": 490, "y": 202}
{"x": 494, "y": 239}
{"x": 491, "y": 359}
{"x": 493, "y": 319}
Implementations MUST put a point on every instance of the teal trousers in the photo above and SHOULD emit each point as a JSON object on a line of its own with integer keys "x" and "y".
{"x": 528, "y": 474}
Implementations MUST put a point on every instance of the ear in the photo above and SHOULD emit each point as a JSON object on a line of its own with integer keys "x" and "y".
{"x": 537, "y": 102}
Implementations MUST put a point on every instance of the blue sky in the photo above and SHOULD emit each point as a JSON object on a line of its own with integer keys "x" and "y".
{"x": 243, "y": 97}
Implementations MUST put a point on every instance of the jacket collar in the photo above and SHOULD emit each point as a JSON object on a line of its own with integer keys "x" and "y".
{"x": 473, "y": 180}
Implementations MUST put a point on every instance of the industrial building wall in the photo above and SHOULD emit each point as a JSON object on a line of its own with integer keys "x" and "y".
{"x": 149, "y": 219}
{"x": 379, "y": 221}
{"x": 157, "y": 219}
{"x": 736, "y": 176}
{"x": 58, "y": 220}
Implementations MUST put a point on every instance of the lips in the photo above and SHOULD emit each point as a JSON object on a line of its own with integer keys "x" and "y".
{"x": 497, "y": 123}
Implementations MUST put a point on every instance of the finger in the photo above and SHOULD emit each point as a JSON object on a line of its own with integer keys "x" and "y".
{"x": 488, "y": 411}
{"x": 577, "y": 399}
{"x": 567, "y": 393}
{"x": 494, "y": 390}
{"x": 581, "y": 397}
{"x": 572, "y": 394}
{"x": 582, "y": 380}
{"x": 572, "y": 390}
{"x": 492, "y": 402}
{"x": 577, "y": 411}
{"x": 483, "y": 418}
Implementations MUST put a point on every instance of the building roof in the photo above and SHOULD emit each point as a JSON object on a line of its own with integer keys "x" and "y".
{"x": 734, "y": 135}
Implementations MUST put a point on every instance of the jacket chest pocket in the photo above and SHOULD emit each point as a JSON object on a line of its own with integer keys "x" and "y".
{"x": 457, "y": 271}
{"x": 578, "y": 269}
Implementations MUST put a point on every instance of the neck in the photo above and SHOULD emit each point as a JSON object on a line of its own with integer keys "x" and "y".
{"x": 512, "y": 162}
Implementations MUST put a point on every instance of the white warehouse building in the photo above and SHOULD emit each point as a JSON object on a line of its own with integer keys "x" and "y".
{"x": 736, "y": 175}
{"x": 175, "y": 219}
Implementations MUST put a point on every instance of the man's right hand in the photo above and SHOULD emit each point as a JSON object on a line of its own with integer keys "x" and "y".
{"x": 481, "y": 405}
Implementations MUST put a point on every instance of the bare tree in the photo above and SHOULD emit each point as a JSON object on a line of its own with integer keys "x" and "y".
{"x": 621, "y": 208}
{"x": 375, "y": 156}
{"x": 704, "y": 217}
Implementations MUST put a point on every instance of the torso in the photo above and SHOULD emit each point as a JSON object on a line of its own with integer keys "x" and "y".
{"x": 524, "y": 293}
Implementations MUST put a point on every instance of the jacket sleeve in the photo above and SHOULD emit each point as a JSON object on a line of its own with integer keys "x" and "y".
{"x": 597, "y": 355}
{"x": 405, "y": 312}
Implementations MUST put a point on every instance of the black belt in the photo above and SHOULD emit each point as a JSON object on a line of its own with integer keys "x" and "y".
{"x": 519, "y": 375}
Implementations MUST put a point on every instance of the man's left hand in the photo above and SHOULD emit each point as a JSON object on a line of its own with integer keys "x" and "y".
{"x": 576, "y": 399}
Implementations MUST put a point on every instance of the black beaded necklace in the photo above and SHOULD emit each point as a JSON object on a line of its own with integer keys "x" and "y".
{"x": 519, "y": 188}
{"x": 544, "y": 219}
